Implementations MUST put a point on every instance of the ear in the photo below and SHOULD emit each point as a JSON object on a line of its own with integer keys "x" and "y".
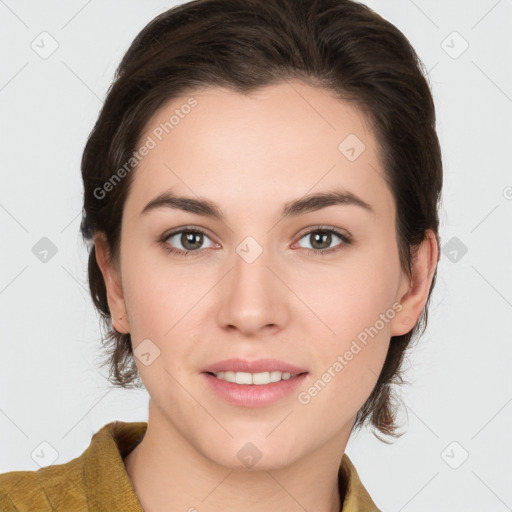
{"x": 413, "y": 291}
{"x": 112, "y": 278}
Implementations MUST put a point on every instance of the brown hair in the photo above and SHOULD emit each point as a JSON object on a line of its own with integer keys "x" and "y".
{"x": 339, "y": 45}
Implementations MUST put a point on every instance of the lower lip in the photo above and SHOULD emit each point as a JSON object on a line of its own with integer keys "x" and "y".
{"x": 253, "y": 395}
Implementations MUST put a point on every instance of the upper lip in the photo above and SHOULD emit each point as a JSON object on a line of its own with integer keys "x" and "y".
{"x": 257, "y": 366}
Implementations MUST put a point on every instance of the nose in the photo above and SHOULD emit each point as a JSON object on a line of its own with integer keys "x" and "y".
{"x": 253, "y": 299}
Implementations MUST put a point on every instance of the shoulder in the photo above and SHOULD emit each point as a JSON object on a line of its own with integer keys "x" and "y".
{"x": 44, "y": 489}
{"x": 357, "y": 497}
{"x": 8, "y": 484}
{"x": 97, "y": 477}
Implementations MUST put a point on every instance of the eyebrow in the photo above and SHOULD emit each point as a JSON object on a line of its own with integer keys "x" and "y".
{"x": 307, "y": 204}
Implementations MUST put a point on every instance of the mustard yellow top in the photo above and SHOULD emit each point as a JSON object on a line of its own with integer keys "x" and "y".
{"x": 97, "y": 480}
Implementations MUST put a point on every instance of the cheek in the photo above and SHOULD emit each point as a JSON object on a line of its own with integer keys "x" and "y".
{"x": 351, "y": 296}
{"x": 156, "y": 292}
{"x": 348, "y": 364}
{"x": 163, "y": 303}
{"x": 355, "y": 304}
{"x": 150, "y": 308}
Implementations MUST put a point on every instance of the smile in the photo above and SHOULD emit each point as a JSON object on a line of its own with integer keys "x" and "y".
{"x": 253, "y": 389}
{"x": 257, "y": 379}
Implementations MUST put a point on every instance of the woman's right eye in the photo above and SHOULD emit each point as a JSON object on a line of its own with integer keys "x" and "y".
{"x": 190, "y": 241}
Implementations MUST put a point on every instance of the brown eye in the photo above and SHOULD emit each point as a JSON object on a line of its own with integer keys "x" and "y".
{"x": 321, "y": 240}
{"x": 186, "y": 241}
{"x": 191, "y": 240}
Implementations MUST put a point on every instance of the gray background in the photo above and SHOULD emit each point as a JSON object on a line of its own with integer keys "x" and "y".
{"x": 455, "y": 454}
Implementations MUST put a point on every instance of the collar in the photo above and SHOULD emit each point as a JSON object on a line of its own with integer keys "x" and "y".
{"x": 108, "y": 486}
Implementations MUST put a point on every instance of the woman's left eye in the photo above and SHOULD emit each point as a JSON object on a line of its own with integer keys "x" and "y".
{"x": 320, "y": 240}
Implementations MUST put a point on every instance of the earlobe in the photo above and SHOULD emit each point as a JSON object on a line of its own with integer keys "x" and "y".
{"x": 413, "y": 301}
{"x": 113, "y": 286}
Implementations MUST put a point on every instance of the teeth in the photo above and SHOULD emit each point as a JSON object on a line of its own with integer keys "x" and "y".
{"x": 254, "y": 378}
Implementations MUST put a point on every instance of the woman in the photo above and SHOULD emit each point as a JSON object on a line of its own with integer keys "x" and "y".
{"x": 261, "y": 195}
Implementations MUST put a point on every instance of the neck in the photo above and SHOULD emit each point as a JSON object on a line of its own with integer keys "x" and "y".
{"x": 168, "y": 473}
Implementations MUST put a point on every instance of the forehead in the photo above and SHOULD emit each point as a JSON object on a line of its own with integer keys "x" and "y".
{"x": 277, "y": 143}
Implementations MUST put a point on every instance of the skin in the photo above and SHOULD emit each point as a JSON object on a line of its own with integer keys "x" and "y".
{"x": 250, "y": 155}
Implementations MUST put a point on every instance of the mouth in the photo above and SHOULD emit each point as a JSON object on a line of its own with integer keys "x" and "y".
{"x": 253, "y": 390}
{"x": 254, "y": 379}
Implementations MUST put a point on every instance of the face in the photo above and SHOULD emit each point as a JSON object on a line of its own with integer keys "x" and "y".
{"x": 318, "y": 287}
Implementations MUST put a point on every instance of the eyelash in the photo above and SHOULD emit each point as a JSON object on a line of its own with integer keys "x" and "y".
{"x": 346, "y": 239}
